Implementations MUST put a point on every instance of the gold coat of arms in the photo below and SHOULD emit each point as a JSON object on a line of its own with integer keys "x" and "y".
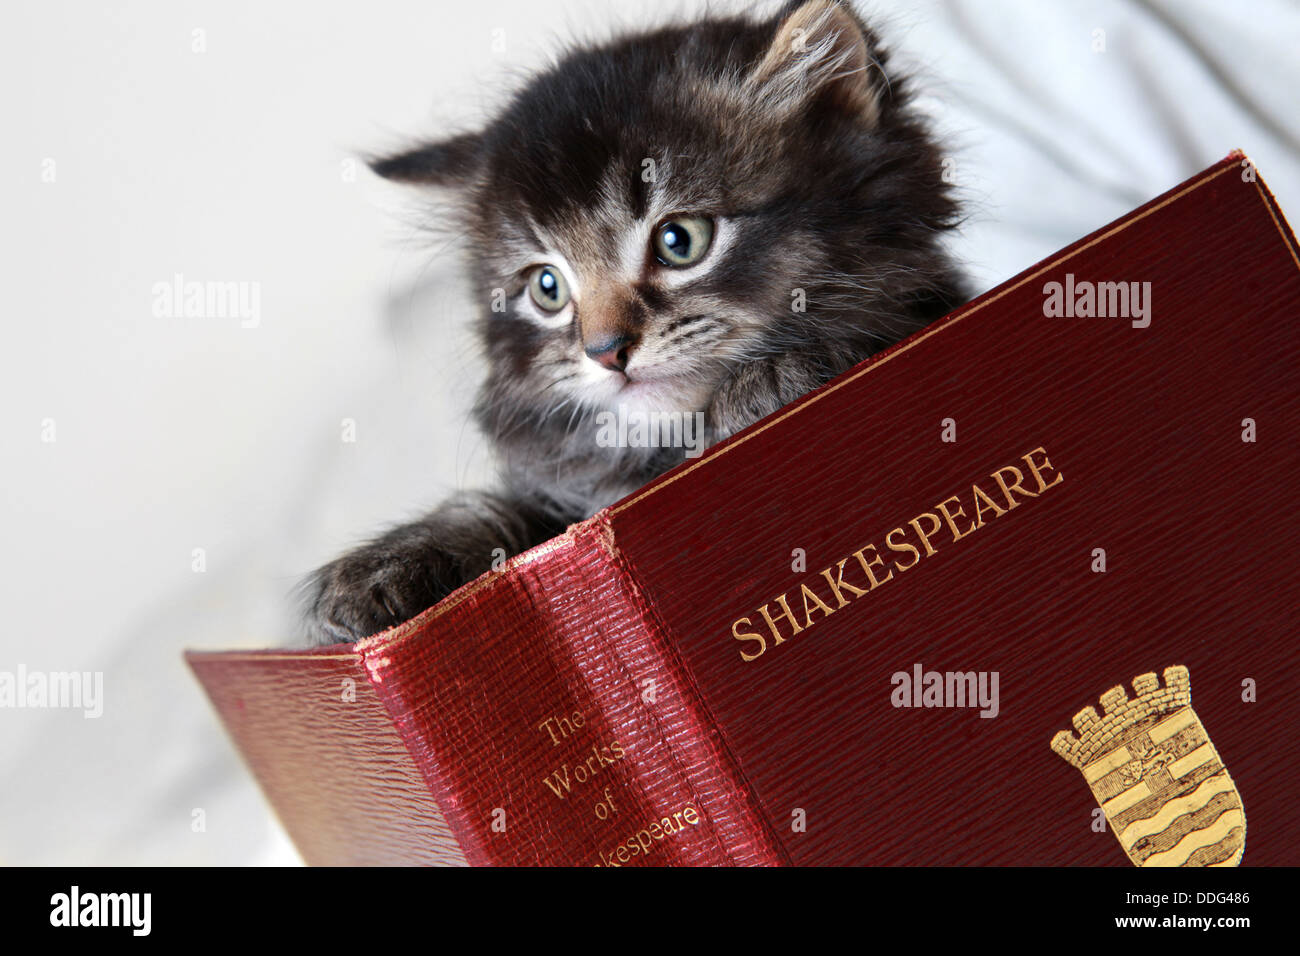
{"x": 1156, "y": 774}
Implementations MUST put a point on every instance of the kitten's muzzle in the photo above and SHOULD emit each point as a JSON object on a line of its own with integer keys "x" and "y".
{"x": 613, "y": 353}
{"x": 610, "y": 317}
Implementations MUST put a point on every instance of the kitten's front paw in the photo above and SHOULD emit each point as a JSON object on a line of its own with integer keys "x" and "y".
{"x": 365, "y": 592}
{"x": 750, "y": 393}
{"x": 761, "y": 388}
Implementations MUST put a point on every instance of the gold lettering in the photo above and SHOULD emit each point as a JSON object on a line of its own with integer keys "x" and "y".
{"x": 949, "y": 514}
{"x": 868, "y": 565}
{"x": 748, "y": 636}
{"x": 838, "y": 584}
{"x": 643, "y": 840}
{"x": 1038, "y": 469}
{"x": 807, "y": 611}
{"x": 952, "y": 524}
{"x": 560, "y": 727}
{"x": 925, "y": 537}
{"x": 889, "y": 540}
{"x": 982, "y": 496}
{"x": 1015, "y": 485}
{"x": 785, "y": 613}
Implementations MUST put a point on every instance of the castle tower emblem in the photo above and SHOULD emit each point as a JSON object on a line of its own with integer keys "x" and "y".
{"x": 1156, "y": 774}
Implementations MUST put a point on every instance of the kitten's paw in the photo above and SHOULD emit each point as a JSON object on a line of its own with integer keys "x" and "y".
{"x": 365, "y": 592}
{"x": 761, "y": 388}
{"x": 750, "y": 393}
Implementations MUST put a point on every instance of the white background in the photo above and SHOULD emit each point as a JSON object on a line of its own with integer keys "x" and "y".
{"x": 232, "y": 165}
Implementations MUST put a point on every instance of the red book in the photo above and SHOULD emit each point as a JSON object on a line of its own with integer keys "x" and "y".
{"x": 855, "y": 632}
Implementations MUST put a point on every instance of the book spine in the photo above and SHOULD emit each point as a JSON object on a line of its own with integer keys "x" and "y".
{"x": 555, "y": 726}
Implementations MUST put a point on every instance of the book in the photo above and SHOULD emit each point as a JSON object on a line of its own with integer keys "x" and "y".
{"x": 854, "y": 633}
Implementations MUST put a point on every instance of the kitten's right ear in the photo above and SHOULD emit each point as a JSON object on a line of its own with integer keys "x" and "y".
{"x": 821, "y": 47}
{"x": 445, "y": 162}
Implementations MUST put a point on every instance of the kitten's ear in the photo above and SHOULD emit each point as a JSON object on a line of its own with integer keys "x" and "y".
{"x": 446, "y": 162}
{"x": 819, "y": 47}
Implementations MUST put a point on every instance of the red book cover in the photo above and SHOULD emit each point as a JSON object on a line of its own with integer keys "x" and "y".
{"x": 868, "y": 629}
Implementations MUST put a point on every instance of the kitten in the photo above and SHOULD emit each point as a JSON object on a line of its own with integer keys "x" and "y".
{"x": 708, "y": 219}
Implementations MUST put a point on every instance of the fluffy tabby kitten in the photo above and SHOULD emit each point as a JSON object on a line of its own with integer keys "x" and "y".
{"x": 643, "y": 221}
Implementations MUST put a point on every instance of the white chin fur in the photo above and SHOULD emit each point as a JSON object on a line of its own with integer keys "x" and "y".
{"x": 608, "y": 391}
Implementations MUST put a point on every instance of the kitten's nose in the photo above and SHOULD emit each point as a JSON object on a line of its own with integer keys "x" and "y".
{"x": 612, "y": 353}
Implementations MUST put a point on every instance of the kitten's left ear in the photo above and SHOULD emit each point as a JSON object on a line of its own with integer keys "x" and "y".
{"x": 447, "y": 162}
{"x": 819, "y": 47}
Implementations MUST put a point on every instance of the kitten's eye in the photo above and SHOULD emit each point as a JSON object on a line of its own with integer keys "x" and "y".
{"x": 547, "y": 287}
{"x": 683, "y": 240}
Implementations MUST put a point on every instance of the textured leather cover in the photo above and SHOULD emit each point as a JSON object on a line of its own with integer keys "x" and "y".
{"x": 481, "y": 688}
{"x": 321, "y": 744}
{"x": 801, "y": 755}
